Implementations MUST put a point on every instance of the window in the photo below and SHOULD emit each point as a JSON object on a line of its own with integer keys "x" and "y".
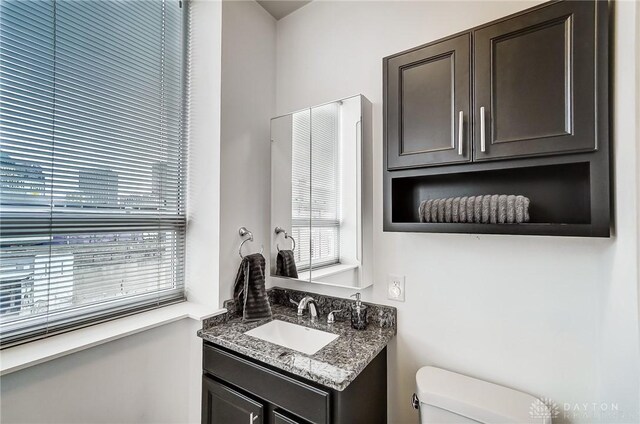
{"x": 92, "y": 166}
{"x": 316, "y": 186}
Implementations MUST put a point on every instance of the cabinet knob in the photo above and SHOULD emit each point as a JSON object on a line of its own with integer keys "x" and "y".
{"x": 252, "y": 418}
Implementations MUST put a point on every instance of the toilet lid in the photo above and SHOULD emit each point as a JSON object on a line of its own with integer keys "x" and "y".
{"x": 479, "y": 400}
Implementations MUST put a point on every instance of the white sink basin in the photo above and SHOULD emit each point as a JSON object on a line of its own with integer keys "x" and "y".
{"x": 293, "y": 336}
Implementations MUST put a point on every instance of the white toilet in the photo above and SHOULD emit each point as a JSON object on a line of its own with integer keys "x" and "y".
{"x": 446, "y": 397}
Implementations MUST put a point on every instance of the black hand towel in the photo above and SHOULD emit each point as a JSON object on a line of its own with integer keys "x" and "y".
{"x": 286, "y": 264}
{"x": 249, "y": 292}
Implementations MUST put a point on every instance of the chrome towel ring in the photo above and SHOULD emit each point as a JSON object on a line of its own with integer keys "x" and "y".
{"x": 287, "y": 236}
{"x": 244, "y": 232}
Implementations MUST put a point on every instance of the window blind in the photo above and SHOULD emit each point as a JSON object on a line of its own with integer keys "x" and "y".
{"x": 92, "y": 166}
{"x": 316, "y": 186}
{"x": 301, "y": 188}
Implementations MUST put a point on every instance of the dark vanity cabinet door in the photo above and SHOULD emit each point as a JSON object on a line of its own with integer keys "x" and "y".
{"x": 427, "y": 104}
{"x": 278, "y": 417}
{"x": 221, "y": 404}
{"x": 534, "y": 79}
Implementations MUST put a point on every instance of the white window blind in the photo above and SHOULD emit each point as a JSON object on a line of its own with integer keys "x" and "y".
{"x": 92, "y": 166}
{"x": 301, "y": 188}
{"x": 316, "y": 186}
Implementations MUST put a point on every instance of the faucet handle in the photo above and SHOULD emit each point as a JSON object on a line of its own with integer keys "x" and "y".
{"x": 300, "y": 305}
{"x": 331, "y": 317}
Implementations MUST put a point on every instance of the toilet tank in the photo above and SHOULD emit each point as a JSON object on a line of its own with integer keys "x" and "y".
{"x": 446, "y": 397}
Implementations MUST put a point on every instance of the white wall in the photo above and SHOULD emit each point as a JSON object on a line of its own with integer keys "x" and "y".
{"x": 203, "y": 196}
{"x": 619, "y": 298}
{"x": 137, "y": 379}
{"x": 552, "y": 316}
{"x": 248, "y": 103}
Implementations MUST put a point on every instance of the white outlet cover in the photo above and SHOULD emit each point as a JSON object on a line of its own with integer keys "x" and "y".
{"x": 395, "y": 287}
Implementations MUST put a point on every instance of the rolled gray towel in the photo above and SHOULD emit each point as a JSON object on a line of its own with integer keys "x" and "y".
{"x": 463, "y": 209}
{"x": 502, "y": 209}
{"x": 434, "y": 210}
{"x": 455, "y": 210}
{"x": 471, "y": 201}
{"x": 448, "y": 213}
{"x": 424, "y": 211}
{"x": 427, "y": 211}
{"x": 486, "y": 202}
{"x": 477, "y": 209}
{"x": 441, "y": 210}
{"x": 511, "y": 209}
{"x": 519, "y": 209}
{"x": 489, "y": 208}
{"x": 493, "y": 209}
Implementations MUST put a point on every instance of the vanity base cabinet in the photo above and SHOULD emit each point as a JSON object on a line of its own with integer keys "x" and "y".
{"x": 221, "y": 404}
{"x": 237, "y": 389}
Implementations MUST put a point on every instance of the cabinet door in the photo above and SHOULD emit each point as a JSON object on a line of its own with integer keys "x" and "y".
{"x": 428, "y": 98}
{"x": 279, "y": 417}
{"x": 534, "y": 79}
{"x": 222, "y": 405}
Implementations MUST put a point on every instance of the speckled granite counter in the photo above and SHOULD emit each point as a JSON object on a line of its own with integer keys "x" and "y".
{"x": 335, "y": 365}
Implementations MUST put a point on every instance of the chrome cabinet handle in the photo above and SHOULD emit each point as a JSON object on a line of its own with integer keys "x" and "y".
{"x": 460, "y": 132}
{"x": 252, "y": 418}
{"x": 483, "y": 145}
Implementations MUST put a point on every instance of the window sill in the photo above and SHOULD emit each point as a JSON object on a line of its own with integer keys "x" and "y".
{"x": 327, "y": 271}
{"x": 23, "y": 356}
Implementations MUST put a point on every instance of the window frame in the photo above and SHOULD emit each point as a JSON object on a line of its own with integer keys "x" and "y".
{"x": 116, "y": 307}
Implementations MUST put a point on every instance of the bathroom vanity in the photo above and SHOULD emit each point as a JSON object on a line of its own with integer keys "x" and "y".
{"x": 248, "y": 379}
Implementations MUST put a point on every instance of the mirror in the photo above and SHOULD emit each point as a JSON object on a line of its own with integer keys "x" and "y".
{"x": 321, "y": 196}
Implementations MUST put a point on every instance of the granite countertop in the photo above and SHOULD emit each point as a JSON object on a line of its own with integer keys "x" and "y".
{"x": 335, "y": 365}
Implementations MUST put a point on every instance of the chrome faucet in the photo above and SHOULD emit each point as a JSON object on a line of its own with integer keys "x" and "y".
{"x": 307, "y": 302}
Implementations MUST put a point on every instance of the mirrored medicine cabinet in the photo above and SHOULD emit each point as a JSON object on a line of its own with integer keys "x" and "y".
{"x": 321, "y": 194}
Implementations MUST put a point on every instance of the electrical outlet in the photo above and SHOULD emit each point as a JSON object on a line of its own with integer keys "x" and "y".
{"x": 395, "y": 287}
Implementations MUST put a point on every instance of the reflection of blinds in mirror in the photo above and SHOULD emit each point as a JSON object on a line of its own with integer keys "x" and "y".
{"x": 315, "y": 205}
{"x": 325, "y": 184}
{"x": 301, "y": 187}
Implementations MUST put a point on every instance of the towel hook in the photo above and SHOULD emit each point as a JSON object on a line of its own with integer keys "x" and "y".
{"x": 244, "y": 232}
{"x": 286, "y": 236}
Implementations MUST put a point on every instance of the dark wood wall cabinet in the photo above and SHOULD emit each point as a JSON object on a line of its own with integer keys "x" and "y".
{"x": 517, "y": 106}
{"x": 238, "y": 389}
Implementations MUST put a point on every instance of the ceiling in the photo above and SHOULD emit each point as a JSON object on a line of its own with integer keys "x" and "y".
{"x": 281, "y": 8}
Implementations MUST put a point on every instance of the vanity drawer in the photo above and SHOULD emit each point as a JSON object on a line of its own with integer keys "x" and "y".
{"x": 306, "y": 401}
